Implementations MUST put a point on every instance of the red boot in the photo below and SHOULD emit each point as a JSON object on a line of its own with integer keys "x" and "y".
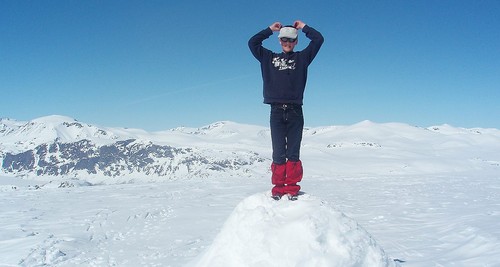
{"x": 278, "y": 179}
{"x": 294, "y": 173}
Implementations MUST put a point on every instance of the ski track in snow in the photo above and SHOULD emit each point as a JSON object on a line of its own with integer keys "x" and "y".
{"x": 418, "y": 220}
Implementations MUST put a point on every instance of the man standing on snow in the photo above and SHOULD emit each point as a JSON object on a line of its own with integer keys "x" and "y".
{"x": 284, "y": 75}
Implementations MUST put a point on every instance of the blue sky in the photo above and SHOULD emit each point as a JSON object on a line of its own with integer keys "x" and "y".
{"x": 157, "y": 65}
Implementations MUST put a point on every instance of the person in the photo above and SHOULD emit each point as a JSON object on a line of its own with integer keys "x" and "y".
{"x": 284, "y": 77}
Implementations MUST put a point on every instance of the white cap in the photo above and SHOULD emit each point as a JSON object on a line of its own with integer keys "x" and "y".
{"x": 289, "y": 32}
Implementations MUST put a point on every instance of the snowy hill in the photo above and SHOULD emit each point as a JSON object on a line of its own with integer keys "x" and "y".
{"x": 264, "y": 232}
{"x": 396, "y": 148}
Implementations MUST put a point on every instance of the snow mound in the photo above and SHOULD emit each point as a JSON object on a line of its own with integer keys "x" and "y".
{"x": 306, "y": 232}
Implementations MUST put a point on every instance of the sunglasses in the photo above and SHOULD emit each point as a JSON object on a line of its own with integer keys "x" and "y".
{"x": 286, "y": 39}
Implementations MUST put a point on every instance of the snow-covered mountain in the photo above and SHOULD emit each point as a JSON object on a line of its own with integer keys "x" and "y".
{"x": 58, "y": 146}
{"x": 63, "y": 147}
{"x": 26, "y": 135}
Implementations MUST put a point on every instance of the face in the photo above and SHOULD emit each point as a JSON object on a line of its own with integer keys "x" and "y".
{"x": 288, "y": 46}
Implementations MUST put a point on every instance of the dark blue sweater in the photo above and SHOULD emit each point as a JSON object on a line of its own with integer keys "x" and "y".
{"x": 285, "y": 74}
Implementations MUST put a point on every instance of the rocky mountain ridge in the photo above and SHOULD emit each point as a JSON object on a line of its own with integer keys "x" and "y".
{"x": 57, "y": 146}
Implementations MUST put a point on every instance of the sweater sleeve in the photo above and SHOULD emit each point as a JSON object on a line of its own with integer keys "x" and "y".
{"x": 316, "y": 41}
{"x": 255, "y": 43}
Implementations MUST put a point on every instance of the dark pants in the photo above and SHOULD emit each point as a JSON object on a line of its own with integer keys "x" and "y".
{"x": 287, "y": 123}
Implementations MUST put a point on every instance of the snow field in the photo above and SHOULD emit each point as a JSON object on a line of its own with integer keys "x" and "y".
{"x": 418, "y": 220}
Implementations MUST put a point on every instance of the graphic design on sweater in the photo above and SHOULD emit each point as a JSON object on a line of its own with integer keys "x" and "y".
{"x": 283, "y": 63}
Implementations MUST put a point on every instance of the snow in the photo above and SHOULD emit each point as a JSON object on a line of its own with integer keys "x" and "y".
{"x": 308, "y": 232}
{"x": 26, "y": 135}
{"x": 375, "y": 195}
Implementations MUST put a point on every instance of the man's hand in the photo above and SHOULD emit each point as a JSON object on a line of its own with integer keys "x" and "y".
{"x": 275, "y": 26}
{"x": 298, "y": 24}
